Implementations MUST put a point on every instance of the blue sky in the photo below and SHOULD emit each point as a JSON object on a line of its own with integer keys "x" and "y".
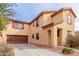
{"x": 28, "y": 11}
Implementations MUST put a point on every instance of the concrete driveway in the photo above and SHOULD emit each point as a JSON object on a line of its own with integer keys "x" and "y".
{"x": 31, "y": 50}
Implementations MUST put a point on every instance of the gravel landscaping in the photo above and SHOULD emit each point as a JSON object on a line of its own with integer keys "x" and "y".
{"x": 58, "y": 50}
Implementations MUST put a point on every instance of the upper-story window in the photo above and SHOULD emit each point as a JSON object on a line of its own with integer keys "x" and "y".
{"x": 37, "y": 23}
{"x": 18, "y": 25}
{"x": 69, "y": 19}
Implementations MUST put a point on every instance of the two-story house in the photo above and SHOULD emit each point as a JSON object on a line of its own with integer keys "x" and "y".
{"x": 49, "y": 28}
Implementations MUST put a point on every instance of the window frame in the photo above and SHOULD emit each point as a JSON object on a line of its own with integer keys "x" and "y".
{"x": 69, "y": 19}
{"x": 32, "y": 36}
{"x": 15, "y": 24}
{"x": 37, "y": 36}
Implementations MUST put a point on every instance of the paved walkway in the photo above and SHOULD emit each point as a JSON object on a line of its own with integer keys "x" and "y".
{"x": 31, "y": 50}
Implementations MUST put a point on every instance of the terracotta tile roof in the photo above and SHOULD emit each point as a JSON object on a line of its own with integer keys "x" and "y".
{"x": 52, "y": 23}
{"x": 62, "y": 9}
{"x": 21, "y": 21}
{"x": 41, "y": 13}
{"x": 44, "y": 12}
{"x": 53, "y": 13}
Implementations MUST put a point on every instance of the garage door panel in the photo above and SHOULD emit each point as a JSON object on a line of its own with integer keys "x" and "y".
{"x": 17, "y": 39}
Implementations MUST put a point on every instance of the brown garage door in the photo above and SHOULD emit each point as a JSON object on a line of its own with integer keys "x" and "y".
{"x": 17, "y": 39}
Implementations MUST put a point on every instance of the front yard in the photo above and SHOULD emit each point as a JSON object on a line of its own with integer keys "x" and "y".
{"x": 69, "y": 49}
{"x": 33, "y": 50}
{"x": 5, "y": 50}
{"x": 58, "y": 50}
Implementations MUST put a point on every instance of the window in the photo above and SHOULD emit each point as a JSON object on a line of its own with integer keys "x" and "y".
{"x": 37, "y": 36}
{"x": 37, "y": 23}
{"x": 32, "y": 36}
{"x": 69, "y": 19}
{"x": 18, "y": 26}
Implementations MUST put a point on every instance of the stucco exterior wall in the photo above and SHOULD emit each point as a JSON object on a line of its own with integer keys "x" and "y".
{"x": 12, "y": 31}
{"x": 43, "y": 33}
{"x": 64, "y": 26}
{"x": 42, "y": 37}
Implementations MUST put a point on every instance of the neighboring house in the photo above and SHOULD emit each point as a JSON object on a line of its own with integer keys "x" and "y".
{"x": 49, "y": 28}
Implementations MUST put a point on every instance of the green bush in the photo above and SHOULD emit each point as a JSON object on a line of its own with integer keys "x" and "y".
{"x": 67, "y": 50}
{"x": 72, "y": 41}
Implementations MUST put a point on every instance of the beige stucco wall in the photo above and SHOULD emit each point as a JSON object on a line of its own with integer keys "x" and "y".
{"x": 43, "y": 33}
{"x": 12, "y": 31}
{"x": 33, "y": 30}
{"x": 64, "y": 26}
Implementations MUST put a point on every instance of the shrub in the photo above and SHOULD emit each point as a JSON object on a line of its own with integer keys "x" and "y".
{"x": 72, "y": 41}
{"x": 67, "y": 50}
{"x": 6, "y": 50}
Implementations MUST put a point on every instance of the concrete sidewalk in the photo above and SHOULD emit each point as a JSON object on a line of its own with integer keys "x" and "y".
{"x": 31, "y": 50}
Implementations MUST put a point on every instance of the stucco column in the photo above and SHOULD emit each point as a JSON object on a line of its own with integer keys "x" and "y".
{"x": 63, "y": 37}
{"x": 54, "y": 37}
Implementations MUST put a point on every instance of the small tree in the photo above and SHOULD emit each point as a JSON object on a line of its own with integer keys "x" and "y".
{"x": 5, "y": 11}
{"x": 73, "y": 41}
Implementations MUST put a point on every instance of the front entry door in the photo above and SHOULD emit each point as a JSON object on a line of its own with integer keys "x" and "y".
{"x": 59, "y": 36}
{"x": 49, "y": 38}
